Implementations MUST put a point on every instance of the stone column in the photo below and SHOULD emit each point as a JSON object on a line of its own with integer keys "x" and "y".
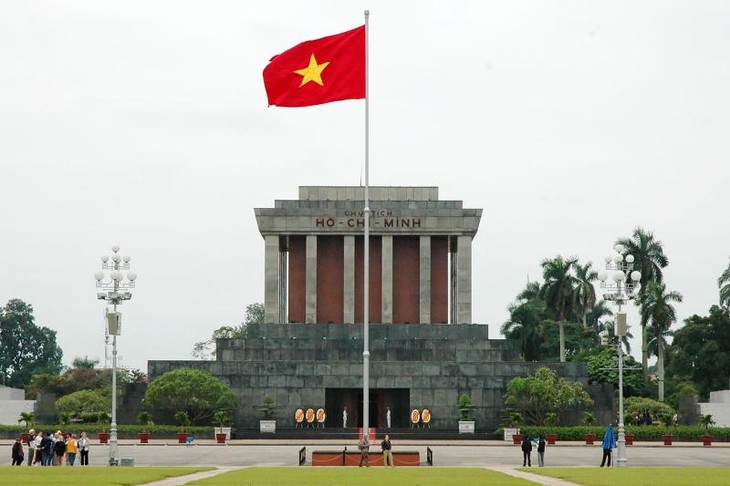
{"x": 310, "y": 299}
{"x": 387, "y": 279}
{"x": 463, "y": 280}
{"x": 283, "y": 273}
{"x": 424, "y": 272}
{"x": 271, "y": 278}
{"x": 348, "y": 286}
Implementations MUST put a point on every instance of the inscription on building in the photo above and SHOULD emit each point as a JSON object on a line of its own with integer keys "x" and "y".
{"x": 359, "y": 222}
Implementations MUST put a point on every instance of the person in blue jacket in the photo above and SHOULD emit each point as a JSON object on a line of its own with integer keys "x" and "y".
{"x": 609, "y": 442}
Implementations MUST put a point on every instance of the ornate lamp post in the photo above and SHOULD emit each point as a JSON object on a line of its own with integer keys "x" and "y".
{"x": 620, "y": 284}
{"x": 115, "y": 290}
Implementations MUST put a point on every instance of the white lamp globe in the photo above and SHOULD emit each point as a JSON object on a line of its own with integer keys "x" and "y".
{"x": 602, "y": 276}
{"x": 115, "y": 248}
{"x": 126, "y": 258}
{"x": 636, "y": 275}
{"x": 105, "y": 259}
{"x": 116, "y": 257}
{"x": 629, "y": 258}
{"x": 607, "y": 259}
{"x": 98, "y": 276}
{"x": 116, "y": 275}
{"x": 618, "y": 258}
{"x": 619, "y": 276}
{"x": 619, "y": 248}
{"x": 131, "y": 276}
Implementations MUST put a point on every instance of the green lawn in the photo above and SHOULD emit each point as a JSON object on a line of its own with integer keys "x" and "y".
{"x": 630, "y": 476}
{"x": 354, "y": 476}
{"x": 91, "y": 476}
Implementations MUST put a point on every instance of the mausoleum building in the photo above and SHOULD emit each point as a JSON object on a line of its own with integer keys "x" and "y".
{"x": 425, "y": 350}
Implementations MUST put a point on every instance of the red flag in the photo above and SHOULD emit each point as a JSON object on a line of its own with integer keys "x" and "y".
{"x": 318, "y": 71}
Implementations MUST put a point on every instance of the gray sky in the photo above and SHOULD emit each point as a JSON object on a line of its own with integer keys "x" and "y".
{"x": 144, "y": 124}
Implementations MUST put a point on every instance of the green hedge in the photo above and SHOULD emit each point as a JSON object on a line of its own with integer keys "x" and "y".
{"x": 77, "y": 428}
{"x": 681, "y": 433}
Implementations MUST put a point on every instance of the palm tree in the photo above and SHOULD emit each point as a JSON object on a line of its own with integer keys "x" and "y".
{"x": 558, "y": 290}
{"x": 585, "y": 292}
{"x": 649, "y": 259}
{"x": 657, "y": 310}
{"x": 524, "y": 326}
{"x": 724, "y": 285}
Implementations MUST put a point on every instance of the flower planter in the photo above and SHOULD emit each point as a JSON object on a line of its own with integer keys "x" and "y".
{"x": 707, "y": 440}
{"x": 517, "y": 439}
{"x": 24, "y": 437}
{"x": 667, "y": 439}
{"x": 589, "y": 438}
{"x": 220, "y": 438}
{"x": 144, "y": 437}
{"x": 551, "y": 438}
{"x": 182, "y": 437}
{"x": 629, "y": 439}
{"x": 103, "y": 437}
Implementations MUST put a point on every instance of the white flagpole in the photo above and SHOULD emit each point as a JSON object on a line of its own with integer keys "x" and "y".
{"x": 366, "y": 256}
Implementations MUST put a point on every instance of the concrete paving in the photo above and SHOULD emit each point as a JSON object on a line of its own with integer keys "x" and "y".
{"x": 496, "y": 455}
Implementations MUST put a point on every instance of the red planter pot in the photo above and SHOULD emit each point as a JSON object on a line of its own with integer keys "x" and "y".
{"x": 629, "y": 439}
{"x": 667, "y": 439}
{"x": 517, "y": 439}
{"x": 590, "y": 438}
{"x": 103, "y": 437}
{"x": 551, "y": 438}
{"x": 220, "y": 438}
{"x": 24, "y": 437}
{"x": 144, "y": 437}
{"x": 182, "y": 437}
{"x": 707, "y": 440}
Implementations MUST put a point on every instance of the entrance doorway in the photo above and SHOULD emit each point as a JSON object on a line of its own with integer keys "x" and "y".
{"x": 338, "y": 399}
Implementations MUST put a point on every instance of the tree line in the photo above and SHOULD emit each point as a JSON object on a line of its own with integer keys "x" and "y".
{"x": 563, "y": 318}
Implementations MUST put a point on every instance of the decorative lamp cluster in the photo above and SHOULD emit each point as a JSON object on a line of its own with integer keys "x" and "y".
{"x": 115, "y": 278}
{"x": 620, "y": 281}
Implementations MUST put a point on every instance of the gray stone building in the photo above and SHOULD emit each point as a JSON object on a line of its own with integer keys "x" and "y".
{"x": 425, "y": 350}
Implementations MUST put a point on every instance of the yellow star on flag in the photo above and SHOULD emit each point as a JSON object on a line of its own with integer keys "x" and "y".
{"x": 313, "y": 72}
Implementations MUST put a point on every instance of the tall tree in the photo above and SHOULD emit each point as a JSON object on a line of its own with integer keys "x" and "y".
{"x": 585, "y": 292}
{"x": 649, "y": 259}
{"x": 25, "y": 348}
{"x": 557, "y": 291}
{"x": 723, "y": 284}
{"x": 206, "y": 349}
{"x": 657, "y": 311}
{"x": 700, "y": 351}
{"x": 524, "y": 326}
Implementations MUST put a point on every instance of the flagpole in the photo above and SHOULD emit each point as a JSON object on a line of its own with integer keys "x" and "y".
{"x": 366, "y": 256}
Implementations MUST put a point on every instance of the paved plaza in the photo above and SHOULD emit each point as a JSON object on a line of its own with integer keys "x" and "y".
{"x": 251, "y": 453}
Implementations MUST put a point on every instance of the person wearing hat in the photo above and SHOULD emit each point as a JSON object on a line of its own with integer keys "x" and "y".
{"x": 31, "y": 446}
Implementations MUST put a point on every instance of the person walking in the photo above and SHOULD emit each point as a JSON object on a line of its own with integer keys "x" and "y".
{"x": 526, "y": 449}
{"x": 364, "y": 446}
{"x": 609, "y": 442}
{"x": 541, "y": 451}
{"x": 17, "y": 452}
{"x": 387, "y": 452}
{"x": 344, "y": 418}
{"x": 83, "y": 447}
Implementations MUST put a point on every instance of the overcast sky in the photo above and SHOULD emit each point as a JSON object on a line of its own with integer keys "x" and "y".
{"x": 144, "y": 124}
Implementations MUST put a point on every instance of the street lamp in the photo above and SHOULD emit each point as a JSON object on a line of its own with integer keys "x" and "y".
{"x": 620, "y": 284}
{"x": 115, "y": 290}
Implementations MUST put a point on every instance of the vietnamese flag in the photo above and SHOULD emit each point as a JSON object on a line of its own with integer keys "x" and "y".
{"x": 318, "y": 71}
